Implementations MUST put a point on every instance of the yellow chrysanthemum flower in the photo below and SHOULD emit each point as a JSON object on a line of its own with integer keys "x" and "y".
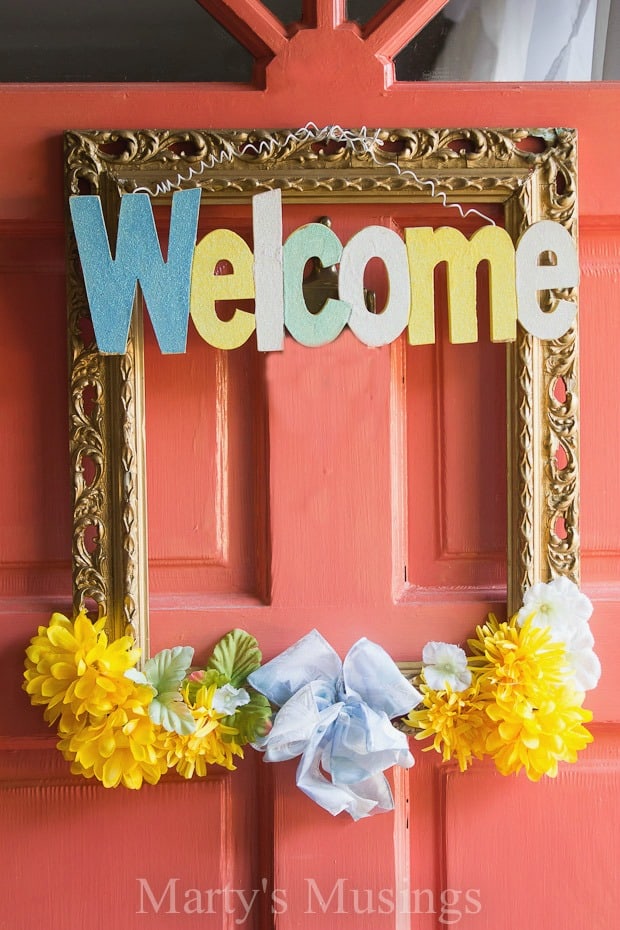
{"x": 535, "y": 720}
{"x": 191, "y": 754}
{"x": 508, "y": 660}
{"x": 455, "y": 720}
{"x": 73, "y": 670}
{"x": 537, "y": 738}
{"x": 119, "y": 748}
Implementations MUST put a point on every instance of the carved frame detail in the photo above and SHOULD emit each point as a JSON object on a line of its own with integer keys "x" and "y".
{"x": 531, "y": 172}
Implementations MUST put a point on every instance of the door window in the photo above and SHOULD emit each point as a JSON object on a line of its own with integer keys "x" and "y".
{"x": 516, "y": 40}
{"x": 154, "y": 40}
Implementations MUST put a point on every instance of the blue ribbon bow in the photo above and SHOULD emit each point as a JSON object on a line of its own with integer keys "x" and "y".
{"x": 336, "y": 715}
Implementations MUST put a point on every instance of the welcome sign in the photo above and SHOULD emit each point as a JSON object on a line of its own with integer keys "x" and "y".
{"x": 186, "y": 282}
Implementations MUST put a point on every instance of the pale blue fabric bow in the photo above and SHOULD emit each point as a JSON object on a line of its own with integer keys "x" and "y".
{"x": 336, "y": 715}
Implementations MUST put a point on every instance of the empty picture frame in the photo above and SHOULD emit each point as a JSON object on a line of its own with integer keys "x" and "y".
{"x": 529, "y": 173}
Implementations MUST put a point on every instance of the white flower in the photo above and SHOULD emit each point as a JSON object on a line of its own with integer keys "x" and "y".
{"x": 227, "y": 699}
{"x": 445, "y": 665}
{"x": 560, "y": 605}
{"x": 583, "y": 663}
{"x": 585, "y": 668}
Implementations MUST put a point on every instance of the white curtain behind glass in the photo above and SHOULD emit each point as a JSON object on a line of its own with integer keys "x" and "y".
{"x": 530, "y": 40}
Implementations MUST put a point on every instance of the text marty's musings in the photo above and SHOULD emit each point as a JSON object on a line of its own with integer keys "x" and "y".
{"x": 187, "y": 282}
{"x": 311, "y": 898}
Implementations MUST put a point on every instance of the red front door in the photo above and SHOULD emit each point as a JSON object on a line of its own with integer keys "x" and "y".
{"x": 332, "y": 462}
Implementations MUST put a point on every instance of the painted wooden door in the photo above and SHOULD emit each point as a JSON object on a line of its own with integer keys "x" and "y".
{"x": 302, "y": 534}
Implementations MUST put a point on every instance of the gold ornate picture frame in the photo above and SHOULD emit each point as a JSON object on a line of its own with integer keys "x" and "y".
{"x": 531, "y": 174}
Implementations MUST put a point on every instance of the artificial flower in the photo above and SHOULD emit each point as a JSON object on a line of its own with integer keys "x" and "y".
{"x": 211, "y": 743}
{"x": 165, "y": 672}
{"x": 73, "y": 670}
{"x": 536, "y": 714}
{"x": 445, "y": 666}
{"x": 558, "y": 604}
{"x": 227, "y": 699}
{"x": 246, "y": 713}
{"x": 522, "y": 707}
{"x": 565, "y": 610}
{"x": 456, "y": 722}
{"x": 511, "y": 660}
{"x": 121, "y": 747}
{"x": 584, "y": 667}
{"x": 536, "y": 738}
{"x": 517, "y": 698}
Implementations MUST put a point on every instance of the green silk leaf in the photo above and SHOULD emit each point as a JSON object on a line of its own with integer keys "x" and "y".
{"x": 166, "y": 672}
{"x": 236, "y": 656}
{"x": 251, "y": 719}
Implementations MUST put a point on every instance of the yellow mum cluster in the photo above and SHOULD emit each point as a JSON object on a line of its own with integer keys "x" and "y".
{"x": 520, "y": 709}
{"x": 103, "y": 717}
